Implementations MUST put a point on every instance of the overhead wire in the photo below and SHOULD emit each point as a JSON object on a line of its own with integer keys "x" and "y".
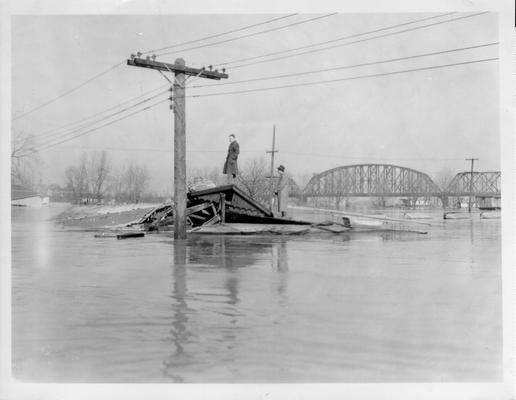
{"x": 239, "y": 66}
{"x": 356, "y": 41}
{"x": 219, "y": 34}
{"x": 367, "y": 157}
{"x": 68, "y": 133}
{"x": 281, "y": 76}
{"x": 251, "y": 34}
{"x": 335, "y": 40}
{"x": 68, "y": 91}
{"x": 160, "y": 150}
{"x": 98, "y": 75}
{"x": 102, "y": 126}
{"x": 287, "y": 86}
{"x": 346, "y": 66}
{"x": 58, "y": 130}
{"x": 344, "y": 79}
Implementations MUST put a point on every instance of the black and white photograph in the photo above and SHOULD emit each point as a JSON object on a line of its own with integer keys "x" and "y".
{"x": 320, "y": 198}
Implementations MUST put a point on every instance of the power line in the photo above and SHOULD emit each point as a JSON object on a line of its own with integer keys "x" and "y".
{"x": 59, "y": 130}
{"x": 357, "y": 41}
{"x": 219, "y": 34}
{"x": 335, "y": 40}
{"x": 348, "y": 66}
{"x": 62, "y": 135}
{"x": 159, "y": 150}
{"x": 252, "y": 34}
{"x": 343, "y": 156}
{"x": 295, "y": 153}
{"x": 344, "y": 79}
{"x": 118, "y": 149}
{"x": 68, "y": 91}
{"x": 123, "y": 62}
{"x": 102, "y": 126}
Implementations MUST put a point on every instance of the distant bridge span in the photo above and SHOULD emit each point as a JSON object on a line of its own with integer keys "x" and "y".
{"x": 387, "y": 180}
{"x": 485, "y": 184}
{"x": 371, "y": 180}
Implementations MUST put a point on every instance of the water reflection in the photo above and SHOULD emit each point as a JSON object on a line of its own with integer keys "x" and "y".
{"x": 279, "y": 259}
{"x": 356, "y": 307}
{"x": 207, "y": 278}
{"x": 179, "y": 332}
{"x": 279, "y": 262}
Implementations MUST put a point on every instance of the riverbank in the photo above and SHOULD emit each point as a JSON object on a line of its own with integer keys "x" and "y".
{"x": 102, "y": 216}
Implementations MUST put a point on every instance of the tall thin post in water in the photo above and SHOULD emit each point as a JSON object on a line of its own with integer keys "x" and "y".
{"x": 271, "y": 177}
{"x": 471, "y": 182}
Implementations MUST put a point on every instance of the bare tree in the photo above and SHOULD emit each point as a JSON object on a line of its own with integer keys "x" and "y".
{"x": 116, "y": 184}
{"x": 253, "y": 180}
{"x": 25, "y": 160}
{"x": 136, "y": 178}
{"x": 77, "y": 180}
{"x": 444, "y": 177}
{"x": 98, "y": 171}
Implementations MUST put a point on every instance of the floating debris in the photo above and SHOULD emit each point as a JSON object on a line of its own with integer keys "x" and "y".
{"x": 456, "y": 215}
{"x": 490, "y": 215}
{"x": 127, "y": 235}
{"x": 416, "y": 216}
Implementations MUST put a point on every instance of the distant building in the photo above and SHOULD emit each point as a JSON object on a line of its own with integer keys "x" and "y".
{"x": 24, "y": 197}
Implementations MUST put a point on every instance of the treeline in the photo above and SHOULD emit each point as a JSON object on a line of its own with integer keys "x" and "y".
{"x": 96, "y": 180}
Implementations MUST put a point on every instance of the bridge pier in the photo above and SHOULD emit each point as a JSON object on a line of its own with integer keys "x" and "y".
{"x": 444, "y": 201}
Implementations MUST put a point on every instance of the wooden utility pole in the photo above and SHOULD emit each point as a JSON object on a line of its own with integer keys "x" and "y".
{"x": 178, "y": 91}
{"x": 180, "y": 71}
{"x": 271, "y": 185}
{"x": 471, "y": 182}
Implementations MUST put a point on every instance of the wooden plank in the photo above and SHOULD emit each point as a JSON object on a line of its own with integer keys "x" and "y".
{"x": 128, "y": 235}
{"x": 212, "y": 221}
{"x": 197, "y": 208}
{"x": 201, "y": 217}
{"x": 223, "y": 207}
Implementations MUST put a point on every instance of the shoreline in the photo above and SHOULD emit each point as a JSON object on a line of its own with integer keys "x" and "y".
{"x": 88, "y": 217}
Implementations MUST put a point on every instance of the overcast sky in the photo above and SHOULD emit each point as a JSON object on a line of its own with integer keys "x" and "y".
{"x": 429, "y": 120}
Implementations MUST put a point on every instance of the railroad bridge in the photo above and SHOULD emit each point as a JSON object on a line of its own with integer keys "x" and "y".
{"x": 485, "y": 184}
{"x": 387, "y": 180}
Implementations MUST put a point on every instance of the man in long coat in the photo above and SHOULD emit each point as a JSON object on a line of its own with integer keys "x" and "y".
{"x": 281, "y": 191}
{"x": 231, "y": 166}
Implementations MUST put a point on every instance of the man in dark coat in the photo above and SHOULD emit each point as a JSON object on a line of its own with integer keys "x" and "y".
{"x": 281, "y": 191}
{"x": 230, "y": 166}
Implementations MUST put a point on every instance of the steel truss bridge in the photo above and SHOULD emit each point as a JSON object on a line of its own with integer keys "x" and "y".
{"x": 386, "y": 180}
{"x": 485, "y": 184}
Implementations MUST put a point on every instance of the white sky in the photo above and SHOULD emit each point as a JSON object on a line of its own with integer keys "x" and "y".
{"x": 429, "y": 120}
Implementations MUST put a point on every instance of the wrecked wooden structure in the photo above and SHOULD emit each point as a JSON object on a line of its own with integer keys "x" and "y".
{"x": 227, "y": 210}
{"x": 221, "y": 204}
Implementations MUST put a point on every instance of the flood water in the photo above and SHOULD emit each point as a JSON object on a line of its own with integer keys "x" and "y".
{"x": 357, "y": 307}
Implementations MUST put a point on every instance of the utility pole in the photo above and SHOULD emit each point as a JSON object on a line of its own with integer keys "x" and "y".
{"x": 471, "y": 182}
{"x": 271, "y": 185}
{"x": 178, "y": 90}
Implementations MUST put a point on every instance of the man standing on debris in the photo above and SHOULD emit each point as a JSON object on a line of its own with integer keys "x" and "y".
{"x": 281, "y": 191}
{"x": 230, "y": 166}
